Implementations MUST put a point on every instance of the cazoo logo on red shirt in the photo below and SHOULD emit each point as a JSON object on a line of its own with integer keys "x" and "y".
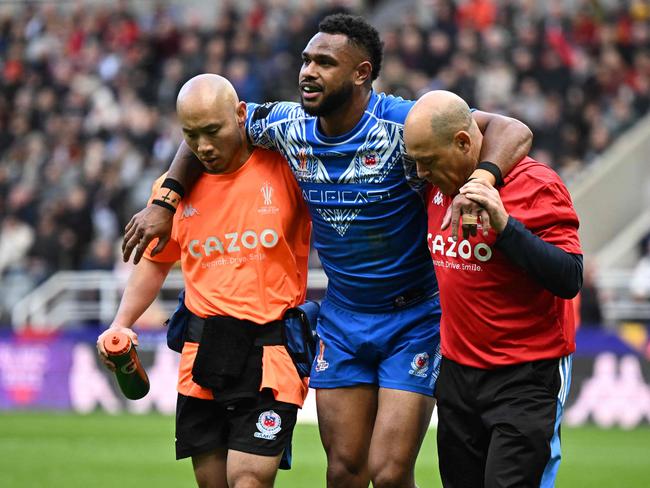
{"x": 454, "y": 249}
{"x": 233, "y": 242}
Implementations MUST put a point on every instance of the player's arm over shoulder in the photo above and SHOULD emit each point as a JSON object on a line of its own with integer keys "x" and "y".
{"x": 506, "y": 141}
{"x": 263, "y": 121}
{"x": 392, "y": 108}
{"x": 485, "y": 120}
{"x": 171, "y": 252}
{"x": 156, "y": 186}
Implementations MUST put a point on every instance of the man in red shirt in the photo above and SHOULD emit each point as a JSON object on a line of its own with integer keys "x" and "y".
{"x": 507, "y": 331}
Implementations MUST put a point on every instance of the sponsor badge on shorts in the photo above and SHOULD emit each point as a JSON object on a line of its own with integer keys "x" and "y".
{"x": 321, "y": 364}
{"x": 268, "y": 424}
{"x": 420, "y": 365}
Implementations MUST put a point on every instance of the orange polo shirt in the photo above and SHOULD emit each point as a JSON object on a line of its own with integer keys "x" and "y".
{"x": 243, "y": 243}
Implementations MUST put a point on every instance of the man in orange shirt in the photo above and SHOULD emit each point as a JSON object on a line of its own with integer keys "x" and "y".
{"x": 242, "y": 237}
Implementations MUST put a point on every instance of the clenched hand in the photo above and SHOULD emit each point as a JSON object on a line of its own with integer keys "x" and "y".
{"x": 488, "y": 197}
{"x": 461, "y": 205}
{"x": 100, "y": 343}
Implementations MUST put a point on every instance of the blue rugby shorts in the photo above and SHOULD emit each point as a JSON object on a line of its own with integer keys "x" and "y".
{"x": 399, "y": 349}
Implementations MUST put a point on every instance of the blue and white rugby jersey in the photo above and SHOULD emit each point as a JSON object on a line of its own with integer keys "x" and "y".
{"x": 365, "y": 201}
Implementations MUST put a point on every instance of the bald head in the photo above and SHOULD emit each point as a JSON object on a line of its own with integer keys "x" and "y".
{"x": 213, "y": 121}
{"x": 206, "y": 92}
{"x": 442, "y": 136}
{"x": 438, "y": 115}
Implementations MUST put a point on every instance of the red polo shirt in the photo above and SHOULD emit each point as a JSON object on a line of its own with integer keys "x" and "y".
{"x": 493, "y": 312}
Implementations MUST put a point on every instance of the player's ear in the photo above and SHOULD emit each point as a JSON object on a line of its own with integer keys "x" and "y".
{"x": 463, "y": 141}
{"x": 363, "y": 73}
{"x": 241, "y": 114}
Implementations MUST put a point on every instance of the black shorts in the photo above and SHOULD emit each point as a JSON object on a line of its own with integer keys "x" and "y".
{"x": 264, "y": 427}
{"x": 501, "y": 427}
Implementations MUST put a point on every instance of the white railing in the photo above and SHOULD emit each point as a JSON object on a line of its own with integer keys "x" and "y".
{"x": 616, "y": 302}
{"x": 70, "y": 297}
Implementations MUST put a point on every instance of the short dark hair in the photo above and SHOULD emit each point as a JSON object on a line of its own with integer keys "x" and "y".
{"x": 360, "y": 33}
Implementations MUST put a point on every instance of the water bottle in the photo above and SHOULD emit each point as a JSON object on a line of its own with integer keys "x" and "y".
{"x": 130, "y": 374}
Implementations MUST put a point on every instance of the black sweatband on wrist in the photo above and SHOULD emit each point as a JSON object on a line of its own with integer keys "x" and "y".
{"x": 162, "y": 204}
{"x": 173, "y": 184}
{"x": 493, "y": 169}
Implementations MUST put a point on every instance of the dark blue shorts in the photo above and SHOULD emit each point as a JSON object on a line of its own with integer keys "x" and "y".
{"x": 399, "y": 350}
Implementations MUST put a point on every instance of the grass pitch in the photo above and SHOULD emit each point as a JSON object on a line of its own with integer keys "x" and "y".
{"x": 69, "y": 451}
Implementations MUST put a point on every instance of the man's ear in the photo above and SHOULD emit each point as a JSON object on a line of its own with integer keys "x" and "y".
{"x": 463, "y": 141}
{"x": 241, "y": 114}
{"x": 363, "y": 73}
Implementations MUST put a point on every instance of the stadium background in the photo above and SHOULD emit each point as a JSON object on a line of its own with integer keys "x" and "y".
{"x": 87, "y": 92}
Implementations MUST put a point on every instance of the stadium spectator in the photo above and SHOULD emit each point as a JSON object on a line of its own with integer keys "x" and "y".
{"x": 16, "y": 237}
{"x": 590, "y": 310}
{"x": 100, "y": 257}
{"x": 507, "y": 331}
{"x": 640, "y": 283}
{"x": 45, "y": 253}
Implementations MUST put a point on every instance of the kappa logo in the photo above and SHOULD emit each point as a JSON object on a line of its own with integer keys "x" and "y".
{"x": 616, "y": 394}
{"x": 268, "y": 425}
{"x": 438, "y": 199}
{"x": 420, "y": 365}
{"x": 189, "y": 211}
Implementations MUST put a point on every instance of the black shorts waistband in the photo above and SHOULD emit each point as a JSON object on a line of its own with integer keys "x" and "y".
{"x": 269, "y": 334}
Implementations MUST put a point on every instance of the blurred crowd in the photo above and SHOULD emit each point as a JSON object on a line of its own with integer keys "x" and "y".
{"x": 87, "y": 96}
{"x": 577, "y": 76}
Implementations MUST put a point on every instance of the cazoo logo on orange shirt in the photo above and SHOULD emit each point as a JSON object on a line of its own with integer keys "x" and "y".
{"x": 233, "y": 242}
{"x": 462, "y": 249}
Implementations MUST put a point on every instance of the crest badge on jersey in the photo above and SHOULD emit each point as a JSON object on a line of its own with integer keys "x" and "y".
{"x": 267, "y": 194}
{"x": 420, "y": 365}
{"x": 370, "y": 159}
{"x": 438, "y": 199}
{"x": 268, "y": 425}
{"x": 304, "y": 169}
{"x": 302, "y": 158}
